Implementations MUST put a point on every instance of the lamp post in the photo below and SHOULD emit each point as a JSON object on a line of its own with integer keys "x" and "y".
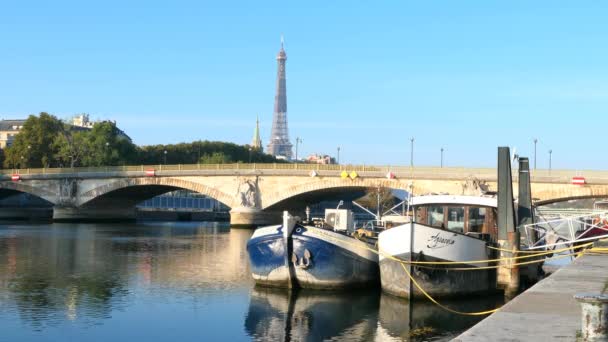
{"x": 250, "y": 155}
{"x": 338, "y": 157}
{"x": 165, "y": 153}
{"x": 298, "y": 141}
{"x": 411, "y": 152}
{"x": 535, "y": 141}
{"x": 442, "y": 157}
{"x": 550, "y": 152}
{"x": 29, "y": 154}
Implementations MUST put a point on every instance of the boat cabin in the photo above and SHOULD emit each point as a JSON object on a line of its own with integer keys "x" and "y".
{"x": 460, "y": 214}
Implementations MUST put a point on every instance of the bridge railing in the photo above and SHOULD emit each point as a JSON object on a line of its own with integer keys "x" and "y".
{"x": 562, "y": 176}
{"x": 251, "y": 166}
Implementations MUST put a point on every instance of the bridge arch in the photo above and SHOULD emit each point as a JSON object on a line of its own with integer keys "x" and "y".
{"x": 547, "y": 194}
{"x": 286, "y": 193}
{"x": 149, "y": 187}
{"x": 10, "y": 188}
{"x": 564, "y": 199}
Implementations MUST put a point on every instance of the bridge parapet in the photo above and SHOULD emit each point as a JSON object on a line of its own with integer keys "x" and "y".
{"x": 297, "y": 169}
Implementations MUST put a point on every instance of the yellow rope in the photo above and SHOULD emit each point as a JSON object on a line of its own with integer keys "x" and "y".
{"x": 318, "y": 231}
{"x": 478, "y": 313}
{"x": 493, "y": 260}
{"x": 477, "y": 268}
{"x": 520, "y": 251}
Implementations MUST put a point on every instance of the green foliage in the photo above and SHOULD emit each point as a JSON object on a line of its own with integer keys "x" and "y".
{"x": 33, "y": 146}
{"x": 373, "y": 196}
{"x": 44, "y": 141}
{"x": 203, "y": 152}
{"x": 215, "y": 158}
{"x": 71, "y": 147}
{"x": 109, "y": 146}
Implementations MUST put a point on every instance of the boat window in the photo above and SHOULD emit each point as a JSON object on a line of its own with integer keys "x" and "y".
{"x": 435, "y": 216}
{"x": 456, "y": 219}
{"x": 477, "y": 217}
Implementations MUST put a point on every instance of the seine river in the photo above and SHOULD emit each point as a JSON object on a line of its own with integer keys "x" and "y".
{"x": 182, "y": 282}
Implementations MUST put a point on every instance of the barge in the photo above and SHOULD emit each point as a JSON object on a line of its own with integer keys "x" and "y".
{"x": 295, "y": 255}
{"x": 448, "y": 233}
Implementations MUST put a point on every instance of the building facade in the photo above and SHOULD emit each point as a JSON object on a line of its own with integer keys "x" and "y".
{"x": 319, "y": 159}
{"x": 8, "y": 130}
{"x": 82, "y": 120}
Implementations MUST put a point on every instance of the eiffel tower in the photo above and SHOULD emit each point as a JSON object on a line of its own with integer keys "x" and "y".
{"x": 279, "y": 145}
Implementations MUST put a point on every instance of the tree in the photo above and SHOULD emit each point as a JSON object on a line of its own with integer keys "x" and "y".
{"x": 71, "y": 146}
{"x": 108, "y": 145}
{"x": 33, "y": 146}
{"x": 375, "y": 196}
{"x": 215, "y": 158}
{"x": 191, "y": 153}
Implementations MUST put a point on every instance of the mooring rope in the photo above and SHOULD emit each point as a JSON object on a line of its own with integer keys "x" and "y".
{"x": 403, "y": 263}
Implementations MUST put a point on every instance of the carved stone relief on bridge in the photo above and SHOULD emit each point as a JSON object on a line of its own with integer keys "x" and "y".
{"x": 473, "y": 186}
{"x": 68, "y": 191}
{"x": 248, "y": 193}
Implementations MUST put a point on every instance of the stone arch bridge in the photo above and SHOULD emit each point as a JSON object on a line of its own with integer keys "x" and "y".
{"x": 255, "y": 192}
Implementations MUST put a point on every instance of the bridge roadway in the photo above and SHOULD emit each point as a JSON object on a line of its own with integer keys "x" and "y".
{"x": 256, "y": 192}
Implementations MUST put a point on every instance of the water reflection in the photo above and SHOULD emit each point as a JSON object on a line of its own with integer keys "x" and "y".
{"x": 280, "y": 315}
{"x": 50, "y": 274}
{"x": 182, "y": 281}
{"x": 421, "y": 319}
{"x": 277, "y": 315}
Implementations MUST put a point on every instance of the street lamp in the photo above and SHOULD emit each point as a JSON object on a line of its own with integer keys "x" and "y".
{"x": 412, "y": 152}
{"x": 106, "y": 153}
{"x": 338, "y": 157}
{"x": 249, "y": 155}
{"x": 298, "y": 141}
{"x": 165, "y": 153}
{"x": 535, "y": 141}
{"x": 550, "y": 152}
{"x": 442, "y": 157}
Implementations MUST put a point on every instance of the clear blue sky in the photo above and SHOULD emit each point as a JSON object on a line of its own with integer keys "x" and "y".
{"x": 464, "y": 75}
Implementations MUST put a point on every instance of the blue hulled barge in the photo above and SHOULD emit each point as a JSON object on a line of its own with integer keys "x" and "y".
{"x": 293, "y": 255}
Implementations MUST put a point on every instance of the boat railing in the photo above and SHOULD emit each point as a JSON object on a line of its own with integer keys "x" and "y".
{"x": 550, "y": 234}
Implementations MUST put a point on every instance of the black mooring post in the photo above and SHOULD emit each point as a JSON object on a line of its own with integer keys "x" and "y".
{"x": 506, "y": 212}
{"x": 524, "y": 199}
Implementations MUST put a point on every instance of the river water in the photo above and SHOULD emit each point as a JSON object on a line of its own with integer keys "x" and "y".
{"x": 182, "y": 282}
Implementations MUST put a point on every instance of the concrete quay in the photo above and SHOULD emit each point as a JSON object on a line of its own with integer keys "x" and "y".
{"x": 547, "y": 311}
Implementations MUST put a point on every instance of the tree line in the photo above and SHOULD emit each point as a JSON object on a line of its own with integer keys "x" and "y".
{"x": 46, "y": 141}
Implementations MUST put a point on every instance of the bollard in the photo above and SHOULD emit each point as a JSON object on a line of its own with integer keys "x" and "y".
{"x": 594, "y": 316}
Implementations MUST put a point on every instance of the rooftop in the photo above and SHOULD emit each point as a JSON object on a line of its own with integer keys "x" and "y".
{"x": 11, "y": 125}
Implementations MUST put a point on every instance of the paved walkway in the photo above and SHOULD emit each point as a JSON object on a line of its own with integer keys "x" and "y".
{"x": 547, "y": 311}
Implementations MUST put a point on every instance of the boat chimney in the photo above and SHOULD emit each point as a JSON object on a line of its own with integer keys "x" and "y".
{"x": 506, "y": 213}
{"x": 524, "y": 198}
{"x": 507, "y": 274}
